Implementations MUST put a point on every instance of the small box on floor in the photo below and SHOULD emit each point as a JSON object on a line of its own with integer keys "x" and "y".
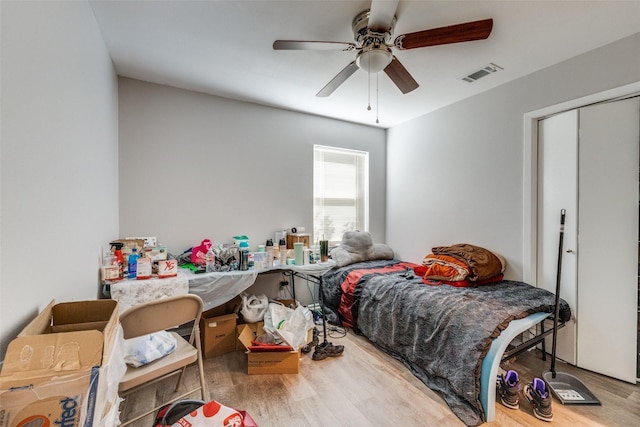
{"x": 218, "y": 329}
{"x": 268, "y": 362}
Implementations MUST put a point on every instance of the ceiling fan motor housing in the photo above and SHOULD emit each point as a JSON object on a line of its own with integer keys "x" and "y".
{"x": 364, "y": 35}
{"x": 374, "y": 54}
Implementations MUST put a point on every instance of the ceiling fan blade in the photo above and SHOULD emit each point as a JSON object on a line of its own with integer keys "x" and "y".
{"x": 312, "y": 45}
{"x": 338, "y": 80}
{"x": 400, "y": 76}
{"x": 381, "y": 14}
{"x": 476, "y": 30}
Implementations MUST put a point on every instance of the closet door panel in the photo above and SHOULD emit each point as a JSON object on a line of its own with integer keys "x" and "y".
{"x": 607, "y": 238}
{"x": 557, "y": 189}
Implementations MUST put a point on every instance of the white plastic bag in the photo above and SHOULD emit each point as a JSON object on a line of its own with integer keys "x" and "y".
{"x": 145, "y": 349}
{"x": 253, "y": 307}
{"x": 212, "y": 414}
{"x": 291, "y": 325}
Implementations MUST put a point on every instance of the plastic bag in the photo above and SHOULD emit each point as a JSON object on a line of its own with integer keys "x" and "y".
{"x": 145, "y": 349}
{"x": 212, "y": 414}
{"x": 199, "y": 253}
{"x": 172, "y": 412}
{"x": 289, "y": 324}
{"x": 253, "y": 307}
{"x": 227, "y": 257}
{"x": 196, "y": 413}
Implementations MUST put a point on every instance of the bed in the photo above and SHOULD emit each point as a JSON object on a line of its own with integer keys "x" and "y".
{"x": 451, "y": 338}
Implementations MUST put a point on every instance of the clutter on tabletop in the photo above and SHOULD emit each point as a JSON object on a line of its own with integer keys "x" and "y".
{"x": 214, "y": 256}
{"x": 136, "y": 259}
{"x": 144, "y": 258}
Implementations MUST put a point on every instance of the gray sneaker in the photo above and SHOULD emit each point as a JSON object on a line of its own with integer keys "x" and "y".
{"x": 325, "y": 350}
{"x": 508, "y": 388}
{"x": 537, "y": 393}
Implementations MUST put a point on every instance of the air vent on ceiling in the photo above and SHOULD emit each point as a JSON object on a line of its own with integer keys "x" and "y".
{"x": 483, "y": 72}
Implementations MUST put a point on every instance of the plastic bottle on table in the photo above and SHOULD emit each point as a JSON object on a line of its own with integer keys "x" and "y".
{"x": 117, "y": 252}
{"x": 133, "y": 263}
{"x": 244, "y": 256}
{"x": 270, "y": 252}
{"x": 283, "y": 252}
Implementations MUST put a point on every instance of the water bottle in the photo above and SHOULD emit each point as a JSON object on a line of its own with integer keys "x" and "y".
{"x": 210, "y": 259}
{"x": 244, "y": 256}
{"x": 133, "y": 263}
{"x": 270, "y": 254}
{"x": 283, "y": 252}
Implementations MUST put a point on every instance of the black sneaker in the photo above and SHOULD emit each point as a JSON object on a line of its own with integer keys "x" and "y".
{"x": 314, "y": 342}
{"x": 537, "y": 393}
{"x": 327, "y": 350}
{"x": 508, "y": 388}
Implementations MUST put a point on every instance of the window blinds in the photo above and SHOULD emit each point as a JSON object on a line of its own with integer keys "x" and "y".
{"x": 340, "y": 192}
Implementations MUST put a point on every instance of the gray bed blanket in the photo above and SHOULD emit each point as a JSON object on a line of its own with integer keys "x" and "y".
{"x": 441, "y": 333}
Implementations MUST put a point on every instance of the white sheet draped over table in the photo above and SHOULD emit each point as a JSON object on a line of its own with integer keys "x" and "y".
{"x": 214, "y": 288}
{"x": 219, "y": 287}
{"x": 133, "y": 292}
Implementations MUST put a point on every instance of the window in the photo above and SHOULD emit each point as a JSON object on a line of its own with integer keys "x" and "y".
{"x": 340, "y": 192}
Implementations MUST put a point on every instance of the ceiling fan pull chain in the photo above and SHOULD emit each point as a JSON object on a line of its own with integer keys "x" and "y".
{"x": 377, "y": 98}
{"x": 369, "y": 86}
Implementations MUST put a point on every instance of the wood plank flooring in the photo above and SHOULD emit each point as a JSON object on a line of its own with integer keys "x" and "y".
{"x": 365, "y": 387}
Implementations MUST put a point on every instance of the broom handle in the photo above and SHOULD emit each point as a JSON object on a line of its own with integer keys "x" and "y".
{"x": 557, "y": 307}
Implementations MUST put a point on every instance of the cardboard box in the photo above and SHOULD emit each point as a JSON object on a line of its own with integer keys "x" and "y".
{"x": 156, "y": 253}
{"x": 295, "y": 238}
{"x": 55, "y": 370}
{"x": 256, "y": 328}
{"x": 218, "y": 334}
{"x": 268, "y": 362}
{"x": 232, "y": 306}
{"x": 218, "y": 329}
{"x": 291, "y": 303}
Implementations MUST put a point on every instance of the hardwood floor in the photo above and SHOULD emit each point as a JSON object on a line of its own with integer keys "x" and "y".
{"x": 366, "y": 387}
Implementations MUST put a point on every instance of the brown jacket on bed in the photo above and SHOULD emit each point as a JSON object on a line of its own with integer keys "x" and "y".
{"x": 483, "y": 263}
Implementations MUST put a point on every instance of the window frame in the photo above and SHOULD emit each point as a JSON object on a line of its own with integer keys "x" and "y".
{"x": 359, "y": 160}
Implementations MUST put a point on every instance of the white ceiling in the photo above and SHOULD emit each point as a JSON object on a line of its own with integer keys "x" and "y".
{"x": 224, "y": 48}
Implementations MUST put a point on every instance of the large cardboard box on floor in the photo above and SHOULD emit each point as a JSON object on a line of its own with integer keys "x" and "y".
{"x": 218, "y": 328}
{"x": 60, "y": 369}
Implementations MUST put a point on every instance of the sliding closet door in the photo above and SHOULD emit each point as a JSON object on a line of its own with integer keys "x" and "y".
{"x": 608, "y": 234}
{"x": 557, "y": 189}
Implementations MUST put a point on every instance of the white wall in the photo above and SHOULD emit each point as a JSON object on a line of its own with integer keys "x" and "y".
{"x": 59, "y": 176}
{"x": 456, "y": 175}
{"x": 196, "y": 166}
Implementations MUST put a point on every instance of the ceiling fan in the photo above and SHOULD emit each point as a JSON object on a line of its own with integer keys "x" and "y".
{"x": 372, "y": 31}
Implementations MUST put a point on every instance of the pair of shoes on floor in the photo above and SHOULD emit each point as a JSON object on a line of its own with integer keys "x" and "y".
{"x": 314, "y": 342}
{"x": 327, "y": 349}
{"x": 536, "y": 392}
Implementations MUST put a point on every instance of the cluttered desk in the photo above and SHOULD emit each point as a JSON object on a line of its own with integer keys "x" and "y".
{"x": 215, "y": 274}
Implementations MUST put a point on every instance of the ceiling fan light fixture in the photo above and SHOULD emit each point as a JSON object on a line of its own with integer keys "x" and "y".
{"x": 374, "y": 58}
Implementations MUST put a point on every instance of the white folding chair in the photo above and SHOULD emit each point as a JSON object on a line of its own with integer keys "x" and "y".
{"x": 158, "y": 316}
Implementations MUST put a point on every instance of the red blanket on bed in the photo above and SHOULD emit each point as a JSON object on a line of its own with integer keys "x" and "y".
{"x": 352, "y": 279}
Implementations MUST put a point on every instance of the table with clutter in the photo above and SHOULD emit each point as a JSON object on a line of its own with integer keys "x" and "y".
{"x": 215, "y": 284}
